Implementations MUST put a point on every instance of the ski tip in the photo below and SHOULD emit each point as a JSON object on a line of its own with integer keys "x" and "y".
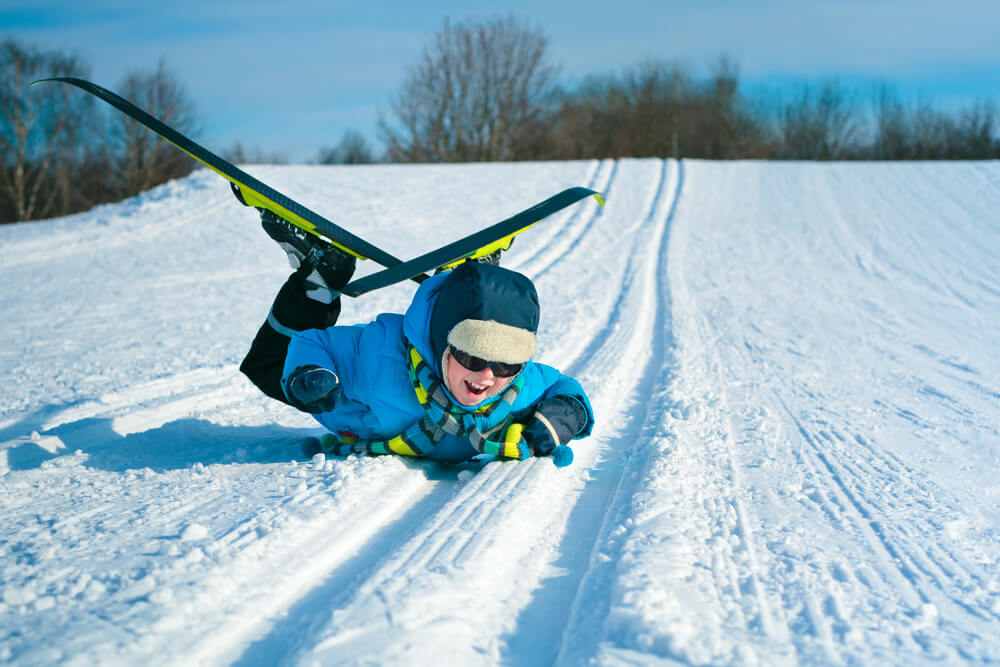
{"x": 600, "y": 199}
{"x": 64, "y": 79}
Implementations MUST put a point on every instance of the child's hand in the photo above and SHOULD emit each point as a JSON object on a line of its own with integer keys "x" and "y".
{"x": 556, "y": 421}
{"x": 313, "y": 389}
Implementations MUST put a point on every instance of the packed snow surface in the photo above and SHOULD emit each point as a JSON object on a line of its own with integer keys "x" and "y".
{"x": 794, "y": 367}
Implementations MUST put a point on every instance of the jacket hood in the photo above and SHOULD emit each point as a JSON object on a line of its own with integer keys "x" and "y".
{"x": 480, "y": 298}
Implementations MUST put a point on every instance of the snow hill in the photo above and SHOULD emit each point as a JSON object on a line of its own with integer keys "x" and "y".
{"x": 796, "y": 376}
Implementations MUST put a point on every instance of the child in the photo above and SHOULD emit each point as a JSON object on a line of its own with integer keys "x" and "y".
{"x": 450, "y": 379}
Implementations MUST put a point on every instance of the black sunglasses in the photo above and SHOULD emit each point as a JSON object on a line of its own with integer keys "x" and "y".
{"x": 475, "y": 364}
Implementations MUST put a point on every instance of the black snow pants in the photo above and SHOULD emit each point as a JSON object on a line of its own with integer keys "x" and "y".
{"x": 292, "y": 311}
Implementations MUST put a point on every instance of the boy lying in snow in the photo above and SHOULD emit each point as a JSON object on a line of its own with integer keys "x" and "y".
{"x": 450, "y": 379}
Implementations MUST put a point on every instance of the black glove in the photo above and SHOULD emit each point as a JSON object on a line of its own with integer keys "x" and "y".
{"x": 313, "y": 389}
{"x": 556, "y": 421}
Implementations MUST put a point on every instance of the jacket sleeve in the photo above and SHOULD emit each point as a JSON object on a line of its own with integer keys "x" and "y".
{"x": 334, "y": 349}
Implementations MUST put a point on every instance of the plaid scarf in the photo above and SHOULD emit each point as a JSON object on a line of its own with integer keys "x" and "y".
{"x": 442, "y": 418}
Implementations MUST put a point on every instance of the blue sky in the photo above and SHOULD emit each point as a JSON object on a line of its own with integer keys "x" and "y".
{"x": 289, "y": 76}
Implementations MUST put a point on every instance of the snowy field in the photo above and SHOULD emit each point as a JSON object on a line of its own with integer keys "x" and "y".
{"x": 796, "y": 375}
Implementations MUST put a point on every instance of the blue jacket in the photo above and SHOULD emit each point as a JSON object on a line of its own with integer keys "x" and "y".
{"x": 378, "y": 400}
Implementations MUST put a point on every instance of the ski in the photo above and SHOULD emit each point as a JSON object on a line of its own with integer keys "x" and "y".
{"x": 496, "y": 237}
{"x": 249, "y": 190}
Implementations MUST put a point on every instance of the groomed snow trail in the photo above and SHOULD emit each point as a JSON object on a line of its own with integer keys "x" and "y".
{"x": 794, "y": 373}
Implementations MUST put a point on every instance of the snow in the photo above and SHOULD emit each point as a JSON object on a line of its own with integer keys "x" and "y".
{"x": 794, "y": 369}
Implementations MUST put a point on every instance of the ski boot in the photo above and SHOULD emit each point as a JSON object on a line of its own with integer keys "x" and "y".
{"x": 492, "y": 258}
{"x": 332, "y": 268}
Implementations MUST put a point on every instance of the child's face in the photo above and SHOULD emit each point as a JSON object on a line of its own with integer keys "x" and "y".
{"x": 468, "y": 387}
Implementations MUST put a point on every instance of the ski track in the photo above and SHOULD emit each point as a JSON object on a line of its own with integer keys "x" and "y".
{"x": 806, "y": 609}
{"x": 715, "y": 516}
{"x": 599, "y": 513}
{"x": 564, "y": 239}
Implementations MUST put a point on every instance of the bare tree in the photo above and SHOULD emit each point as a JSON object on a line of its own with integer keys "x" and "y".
{"x": 353, "y": 148}
{"x": 653, "y": 109}
{"x": 40, "y": 130}
{"x": 635, "y": 114}
{"x": 819, "y": 124}
{"x": 728, "y": 129}
{"x": 658, "y": 108}
{"x": 140, "y": 158}
{"x": 973, "y": 135}
{"x": 479, "y": 93}
{"x": 918, "y": 131}
{"x": 890, "y": 140}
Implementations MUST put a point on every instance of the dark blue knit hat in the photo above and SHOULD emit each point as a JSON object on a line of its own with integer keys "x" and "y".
{"x": 486, "y": 311}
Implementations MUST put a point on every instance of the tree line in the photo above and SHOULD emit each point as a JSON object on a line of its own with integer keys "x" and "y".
{"x": 489, "y": 91}
{"x": 481, "y": 91}
{"x": 60, "y": 153}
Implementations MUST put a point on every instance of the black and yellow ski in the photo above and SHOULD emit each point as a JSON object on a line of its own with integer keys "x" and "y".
{"x": 253, "y": 192}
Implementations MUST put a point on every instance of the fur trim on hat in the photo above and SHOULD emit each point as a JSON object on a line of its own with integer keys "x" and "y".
{"x": 493, "y": 341}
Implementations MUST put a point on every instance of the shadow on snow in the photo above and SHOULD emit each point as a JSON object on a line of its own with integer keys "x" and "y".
{"x": 175, "y": 445}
